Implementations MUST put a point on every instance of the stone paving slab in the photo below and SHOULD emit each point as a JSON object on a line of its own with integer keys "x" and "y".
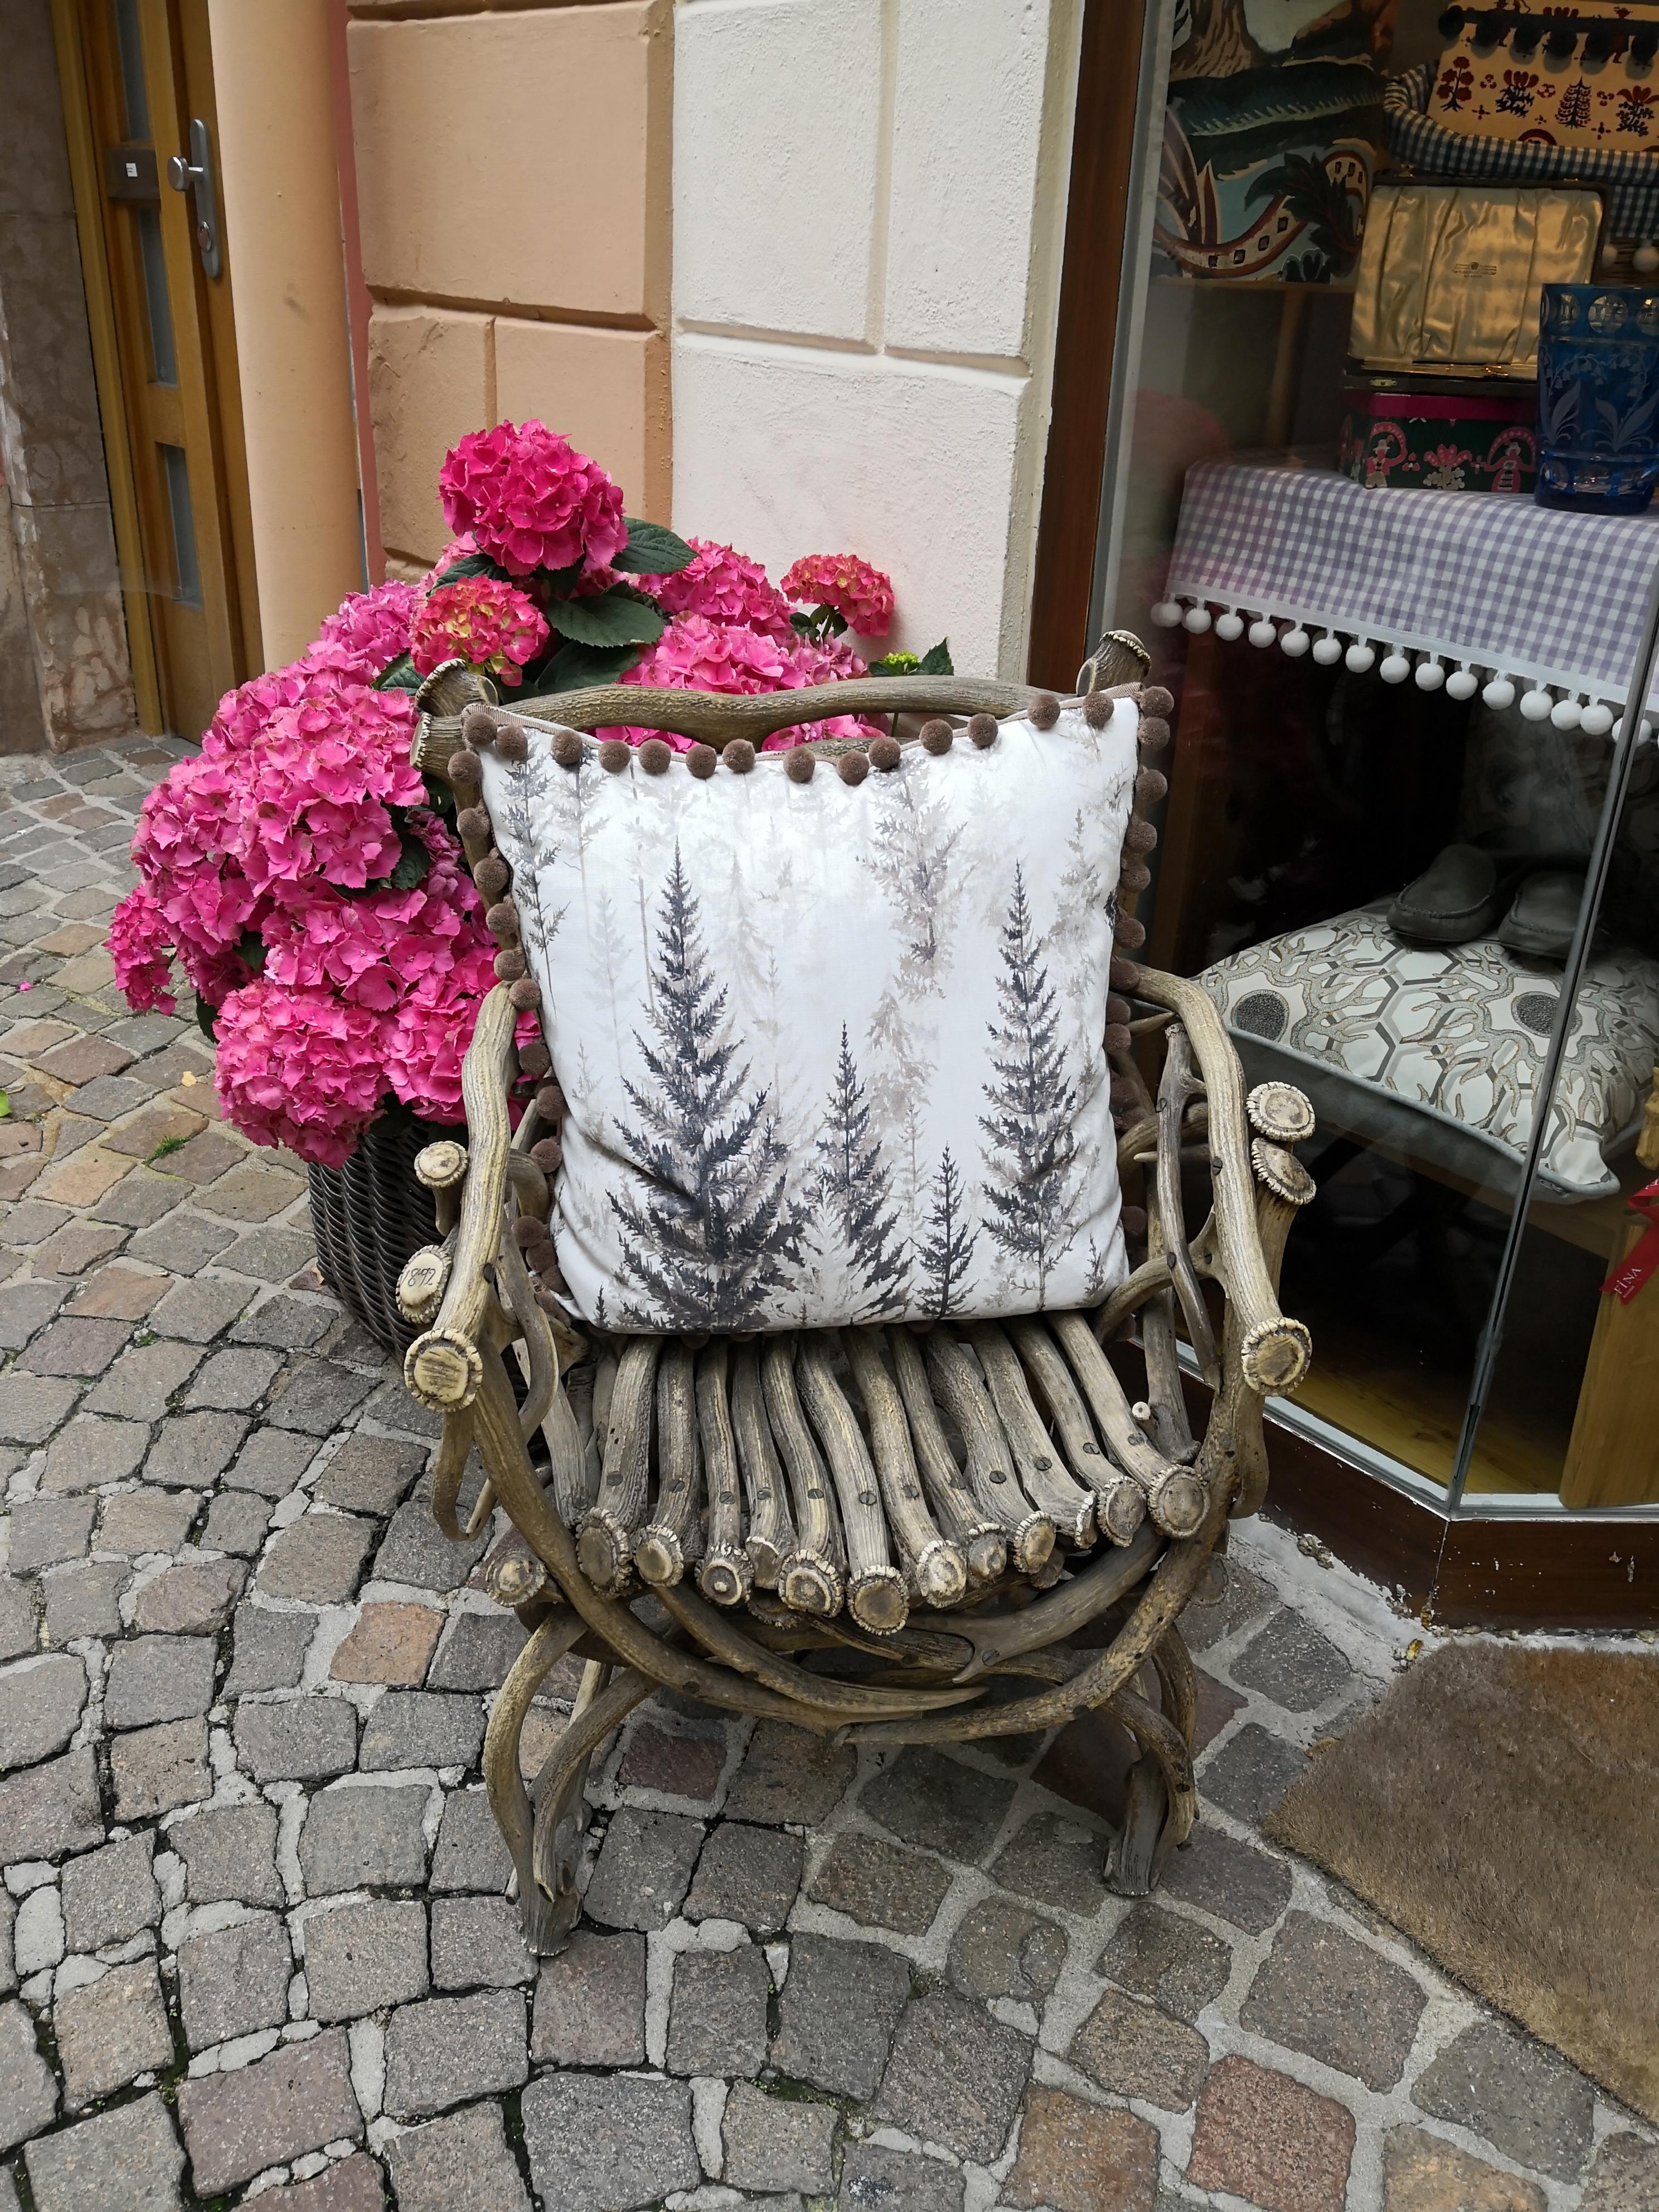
{"x": 254, "y": 1938}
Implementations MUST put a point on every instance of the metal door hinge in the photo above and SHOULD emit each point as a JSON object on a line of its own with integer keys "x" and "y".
{"x": 196, "y": 175}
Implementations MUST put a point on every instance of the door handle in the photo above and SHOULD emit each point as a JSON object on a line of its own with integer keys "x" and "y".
{"x": 195, "y": 175}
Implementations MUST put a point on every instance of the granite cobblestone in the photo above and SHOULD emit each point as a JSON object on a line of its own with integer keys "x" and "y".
{"x": 253, "y": 1671}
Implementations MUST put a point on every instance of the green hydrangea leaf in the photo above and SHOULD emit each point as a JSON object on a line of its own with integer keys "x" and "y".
{"x": 472, "y": 564}
{"x": 652, "y": 550}
{"x": 575, "y": 668}
{"x": 936, "y": 661}
{"x": 612, "y": 618}
{"x": 402, "y": 676}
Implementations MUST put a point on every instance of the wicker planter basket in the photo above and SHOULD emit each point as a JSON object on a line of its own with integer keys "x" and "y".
{"x": 369, "y": 1216}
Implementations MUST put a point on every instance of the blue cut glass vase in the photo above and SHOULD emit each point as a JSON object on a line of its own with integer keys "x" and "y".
{"x": 1598, "y": 397}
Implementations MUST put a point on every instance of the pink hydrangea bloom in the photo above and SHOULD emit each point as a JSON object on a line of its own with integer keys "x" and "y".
{"x": 138, "y": 942}
{"x": 372, "y": 626}
{"x": 530, "y": 500}
{"x": 491, "y": 625}
{"x": 695, "y": 654}
{"x": 859, "y": 594}
{"x": 300, "y": 1068}
{"x": 725, "y": 585}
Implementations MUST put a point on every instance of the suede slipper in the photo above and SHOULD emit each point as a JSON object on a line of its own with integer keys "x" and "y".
{"x": 1455, "y": 899}
{"x": 1541, "y": 922}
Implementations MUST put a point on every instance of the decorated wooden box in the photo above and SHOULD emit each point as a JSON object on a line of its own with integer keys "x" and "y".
{"x": 1442, "y": 433}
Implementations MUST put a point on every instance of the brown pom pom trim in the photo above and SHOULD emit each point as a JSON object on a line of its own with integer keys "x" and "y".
{"x": 1046, "y": 712}
{"x": 510, "y": 965}
{"x": 1125, "y": 976}
{"x": 1155, "y": 700}
{"x": 614, "y": 754}
{"x": 465, "y": 770}
{"x": 655, "y": 755}
{"x": 477, "y": 724}
{"x": 1098, "y": 710}
{"x": 1131, "y": 932}
{"x": 1133, "y": 876}
{"x": 1133, "y": 1219}
{"x": 1117, "y": 1010}
{"x": 1154, "y": 735}
{"x": 472, "y": 822}
{"x": 528, "y": 1232}
{"x": 547, "y": 1152}
{"x": 885, "y": 753}
{"x": 568, "y": 749}
{"x": 1150, "y": 786}
{"x": 545, "y": 1298}
{"x": 1123, "y": 1092}
{"x": 982, "y": 730}
{"x": 534, "y": 1060}
{"x": 702, "y": 761}
{"x": 739, "y": 755}
{"x": 511, "y": 744}
{"x": 938, "y": 737}
{"x": 526, "y": 993}
{"x": 1117, "y": 1036}
{"x": 852, "y": 768}
{"x": 551, "y": 1103}
{"x": 502, "y": 923}
{"x": 799, "y": 765}
{"x": 492, "y": 876}
{"x": 1139, "y": 838}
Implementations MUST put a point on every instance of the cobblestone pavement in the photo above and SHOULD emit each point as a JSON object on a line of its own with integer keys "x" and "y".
{"x": 253, "y": 1930}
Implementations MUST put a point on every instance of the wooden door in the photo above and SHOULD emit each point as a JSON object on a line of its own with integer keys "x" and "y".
{"x": 138, "y": 96}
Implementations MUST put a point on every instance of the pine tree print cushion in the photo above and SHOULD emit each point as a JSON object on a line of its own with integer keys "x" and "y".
{"x": 832, "y": 1051}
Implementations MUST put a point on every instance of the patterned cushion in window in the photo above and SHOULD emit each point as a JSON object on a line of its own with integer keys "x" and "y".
{"x": 832, "y": 1050}
{"x": 1437, "y": 1048}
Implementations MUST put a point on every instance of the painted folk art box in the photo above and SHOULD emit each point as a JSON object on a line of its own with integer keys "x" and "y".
{"x": 1441, "y": 433}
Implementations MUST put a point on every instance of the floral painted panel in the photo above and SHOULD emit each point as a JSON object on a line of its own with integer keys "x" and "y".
{"x": 833, "y": 1052}
{"x": 1458, "y": 1032}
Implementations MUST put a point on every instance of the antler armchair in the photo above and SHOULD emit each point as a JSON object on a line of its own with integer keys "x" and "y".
{"x": 879, "y": 1511}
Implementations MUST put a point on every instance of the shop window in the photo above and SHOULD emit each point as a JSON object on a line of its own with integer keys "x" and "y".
{"x": 1395, "y": 546}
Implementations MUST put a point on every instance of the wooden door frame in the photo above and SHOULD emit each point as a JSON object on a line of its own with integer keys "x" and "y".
{"x": 1086, "y": 337}
{"x": 86, "y": 185}
{"x": 214, "y": 311}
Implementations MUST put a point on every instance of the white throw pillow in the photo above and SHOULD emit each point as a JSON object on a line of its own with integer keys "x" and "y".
{"x": 1437, "y": 1048}
{"x": 832, "y": 1052}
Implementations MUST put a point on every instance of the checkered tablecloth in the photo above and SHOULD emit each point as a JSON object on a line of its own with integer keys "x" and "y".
{"x": 1485, "y": 577}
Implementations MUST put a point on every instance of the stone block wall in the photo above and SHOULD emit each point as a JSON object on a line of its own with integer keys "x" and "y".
{"x": 512, "y": 179}
{"x": 65, "y": 679}
{"x": 868, "y": 204}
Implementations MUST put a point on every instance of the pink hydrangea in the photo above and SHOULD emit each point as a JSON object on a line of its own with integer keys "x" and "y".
{"x": 491, "y": 625}
{"x": 138, "y": 945}
{"x": 726, "y": 587}
{"x": 373, "y": 627}
{"x": 695, "y": 654}
{"x": 530, "y": 500}
{"x": 304, "y": 1068}
{"x": 859, "y": 594}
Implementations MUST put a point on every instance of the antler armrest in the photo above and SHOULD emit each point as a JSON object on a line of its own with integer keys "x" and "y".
{"x": 1275, "y": 1349}
{"x": 441, "y": 1368}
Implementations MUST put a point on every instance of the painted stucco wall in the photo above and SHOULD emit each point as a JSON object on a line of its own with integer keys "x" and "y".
{"x": 513, "y": 176}
{"x": 868, "y": 199}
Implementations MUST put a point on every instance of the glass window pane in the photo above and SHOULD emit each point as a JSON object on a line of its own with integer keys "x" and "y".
{"x": 1576, "y": 1359}
{"x": 164, "y": 360}
{"x": 129, "y": 42}
{"x": 186, "y": 568}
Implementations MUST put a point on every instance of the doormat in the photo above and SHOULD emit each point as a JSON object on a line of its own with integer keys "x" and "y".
{"x": 1501, "y": 1806}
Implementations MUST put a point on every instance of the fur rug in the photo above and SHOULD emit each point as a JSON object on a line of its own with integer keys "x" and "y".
{"x": 1501, "y": 1806}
